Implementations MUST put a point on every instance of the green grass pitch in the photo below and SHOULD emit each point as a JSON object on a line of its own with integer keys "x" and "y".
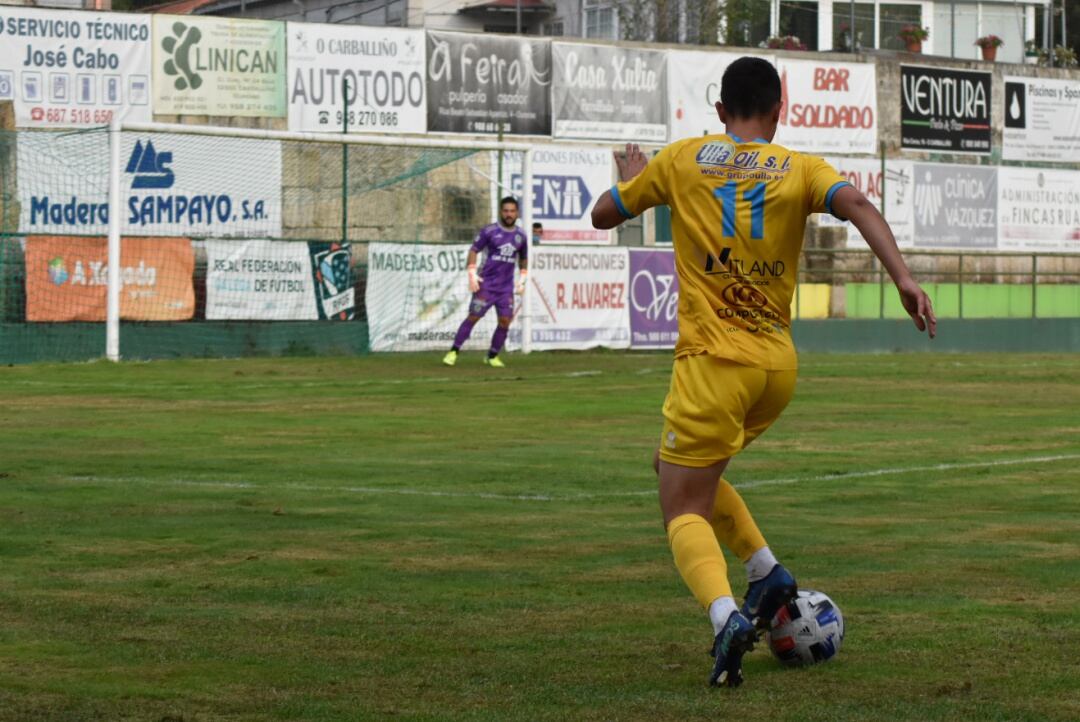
{"x": 385, "y": 538}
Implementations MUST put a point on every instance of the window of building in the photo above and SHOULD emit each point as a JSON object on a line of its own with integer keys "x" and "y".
{"x": 895, "y": 17}
{"x": 864, "y": 25}
{"x": 599, "y": 20}
{"x": 801, "y": 20}
{"x": 554, "y": 29}
{"x": 747, "y": 22}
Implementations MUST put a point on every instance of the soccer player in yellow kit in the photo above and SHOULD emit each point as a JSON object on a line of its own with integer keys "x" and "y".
{"x": 738, "y": 205}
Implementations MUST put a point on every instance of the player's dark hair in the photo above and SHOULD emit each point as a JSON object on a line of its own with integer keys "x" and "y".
{"x": 750, "y": 88}
{"x": 508, "y": 199}
{"x": 538, "y": 225}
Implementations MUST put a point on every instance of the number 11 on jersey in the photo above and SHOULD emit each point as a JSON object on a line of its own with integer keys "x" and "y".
{"x": 754, "y": 195}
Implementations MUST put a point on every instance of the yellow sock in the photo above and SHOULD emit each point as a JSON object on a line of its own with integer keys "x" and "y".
{"x": 698, "y": 558}
{"x": 732, "y": 523}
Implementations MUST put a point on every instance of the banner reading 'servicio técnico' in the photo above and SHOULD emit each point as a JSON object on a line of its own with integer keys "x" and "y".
{"x": 607, "y": 93}
{"x": 1038, "y": 209}
{"x": 219, "y": 66}
{"x": 261, "y": 280}
{"x": 1042, "y": 120}
{"x": 488, "y": 84}
{"x": 172, "y": 185}
{"x": 654, "y": 298}
{"x": 418, "y": 294}
{"x": 694, "y": 89}
{"x": 567, "y": 181}
{"x": 579, "y": 298}
{"x": 828, "y": 107}
{"x": 66, "y": 69}
{"x": 944, "y": 109}
{"x": 381, "y": 68}
{"x": 67, "y": 278}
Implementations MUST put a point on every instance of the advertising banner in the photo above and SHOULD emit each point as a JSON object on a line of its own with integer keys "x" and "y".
{"x": 944, "y": 109}
{"x": 896, "y": 185}
{"x": 828, "y": 107}
{"x": 261, "y": 280}
{"x": 693, "y": 81}
{"x": 955, "y": 206}
{"x": 205, "y": 65}
{"x": 67, "y": 278}
{"x": 654, "y": 299}
{"x": 381, "y": 68}
{"x": 71, "y": 69}
{"x": 609, "y": 93}
{"x": 579, "y": 298}
{"x": 173, "y": 185}
{"x": 1042, "y": 120}
{"x": 1039, "y": 209}
{"x": 488, "y": 84}
{"x": 567, "y": 181}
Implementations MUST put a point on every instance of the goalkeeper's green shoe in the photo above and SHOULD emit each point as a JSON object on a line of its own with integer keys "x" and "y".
{"x": 450, "y": 358}
{"x": 495, "y": 363}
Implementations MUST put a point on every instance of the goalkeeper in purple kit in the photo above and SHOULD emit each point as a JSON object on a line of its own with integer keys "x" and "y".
{"x": 504, "y": 246}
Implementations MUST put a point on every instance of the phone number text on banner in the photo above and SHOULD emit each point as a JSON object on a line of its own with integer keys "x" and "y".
{"x": 579, "y": 298}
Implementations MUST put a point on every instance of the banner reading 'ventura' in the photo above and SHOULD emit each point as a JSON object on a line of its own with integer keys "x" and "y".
{"x": 942, "y": 109}
{"x": 488, "y": 84}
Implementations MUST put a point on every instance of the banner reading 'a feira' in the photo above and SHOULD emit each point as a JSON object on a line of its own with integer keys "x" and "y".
{"x": 828, "y": 107}
{"x": 376, "y": 73}
{"x": 579, "y": 297}
{"x": 206, "y": 65}
{"x": 67, "y": 69}
{"x": 488, "y": 84}
{"x": 67, "y": 279}
{"x": 609, "y": 93}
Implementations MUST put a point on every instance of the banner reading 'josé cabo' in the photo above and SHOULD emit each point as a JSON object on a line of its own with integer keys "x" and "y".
{"x": 944, "y": 109}
{"x": 605, "y": 93}
{"x": 67, "y": 279}
{"x": 382, "y": 68}
{"x": 488, "y": 84}
{"x": 579, "y": 298}
{"x": 828, "y": 107}
{"x": 1042, "y": 120}
{"x": 64, "y": 69}
{"x": 219, "y": 66}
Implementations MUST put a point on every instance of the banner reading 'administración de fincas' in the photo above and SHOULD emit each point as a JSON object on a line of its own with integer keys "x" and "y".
{"x": 219, "y": 66}
{"x": 67, "y": 69}
{"x": 1039, "y": 209}
{"x": 382, "y": 70}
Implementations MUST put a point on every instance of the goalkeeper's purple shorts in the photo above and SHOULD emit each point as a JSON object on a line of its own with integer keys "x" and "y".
{"x": 503, "y": 303}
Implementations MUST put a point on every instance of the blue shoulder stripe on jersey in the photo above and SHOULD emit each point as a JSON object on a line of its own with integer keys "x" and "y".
{"x": 735, "y": 138}
{"x": 829, "y": 196}
{"x": 618, "y": 202}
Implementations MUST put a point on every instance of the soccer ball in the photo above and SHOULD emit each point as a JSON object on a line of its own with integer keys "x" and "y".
{"x": 807, "y": 630}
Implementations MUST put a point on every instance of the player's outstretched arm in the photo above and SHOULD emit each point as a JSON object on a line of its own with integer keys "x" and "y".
{"x": 851, "y": 204}
{"x": 606, "y": 213}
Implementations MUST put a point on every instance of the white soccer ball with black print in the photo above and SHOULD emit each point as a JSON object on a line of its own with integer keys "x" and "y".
{"x": 807, "y": 630}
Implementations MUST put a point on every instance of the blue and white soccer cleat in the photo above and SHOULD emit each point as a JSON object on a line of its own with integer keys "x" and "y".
{"x": 766, "y": 596}
{"x": 734, "y": 640}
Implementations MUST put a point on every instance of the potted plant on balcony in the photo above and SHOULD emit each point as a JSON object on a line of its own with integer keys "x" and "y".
{"x": 989, "y": 45}
{"x": 785, "y": 42}
{"x": 913, "y": 36}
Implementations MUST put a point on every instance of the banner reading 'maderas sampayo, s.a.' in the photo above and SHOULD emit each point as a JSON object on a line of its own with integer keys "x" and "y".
{"x": 608, "y": 93}
{"x": 377, "y": 73}
{"x": 579, "y": 297}
{"x": 65, "y": 69}
{"x": 488, "y": 84}
{"x": 172, "y": 185}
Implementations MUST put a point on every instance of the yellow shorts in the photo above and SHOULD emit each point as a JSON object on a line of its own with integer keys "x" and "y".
{"x": 716, "y": 407}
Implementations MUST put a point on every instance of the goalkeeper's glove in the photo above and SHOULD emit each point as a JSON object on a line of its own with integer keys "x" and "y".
{"x": 474, "y": 280}
{"x": 520, "y": 287}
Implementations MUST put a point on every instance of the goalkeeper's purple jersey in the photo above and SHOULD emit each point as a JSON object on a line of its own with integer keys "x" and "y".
{"x": 501, "y": 248}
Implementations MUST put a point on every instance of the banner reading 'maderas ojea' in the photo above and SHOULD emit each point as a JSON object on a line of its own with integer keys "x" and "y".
{"x": 608, "y": 93}
{"x": 377, "y": 73}
{"x": 219, "y": 66}
{"x": 488, "y": 84}
{"x": 943, "y": 109}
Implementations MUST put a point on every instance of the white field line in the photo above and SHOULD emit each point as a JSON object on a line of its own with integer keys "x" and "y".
{"x": 1028, "y": 460}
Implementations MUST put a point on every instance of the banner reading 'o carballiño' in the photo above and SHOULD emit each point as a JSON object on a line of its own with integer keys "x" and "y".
{"x": 609, "y": 93}
{"x": 488, "y": 84}
{"x": 945, "y": 110}
{"x": 383, "y": 69}
{"x": 219, "y": 66}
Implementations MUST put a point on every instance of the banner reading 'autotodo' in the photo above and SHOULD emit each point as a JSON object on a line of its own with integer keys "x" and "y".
{"x": 380, "y": 69}
{"x": 579, "y": 298}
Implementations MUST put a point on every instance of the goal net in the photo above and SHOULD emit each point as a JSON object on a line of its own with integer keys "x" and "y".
{"x": 240, "y": 242}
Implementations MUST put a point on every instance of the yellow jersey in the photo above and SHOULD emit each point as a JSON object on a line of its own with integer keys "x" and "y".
{"x": 738, "y": 213}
